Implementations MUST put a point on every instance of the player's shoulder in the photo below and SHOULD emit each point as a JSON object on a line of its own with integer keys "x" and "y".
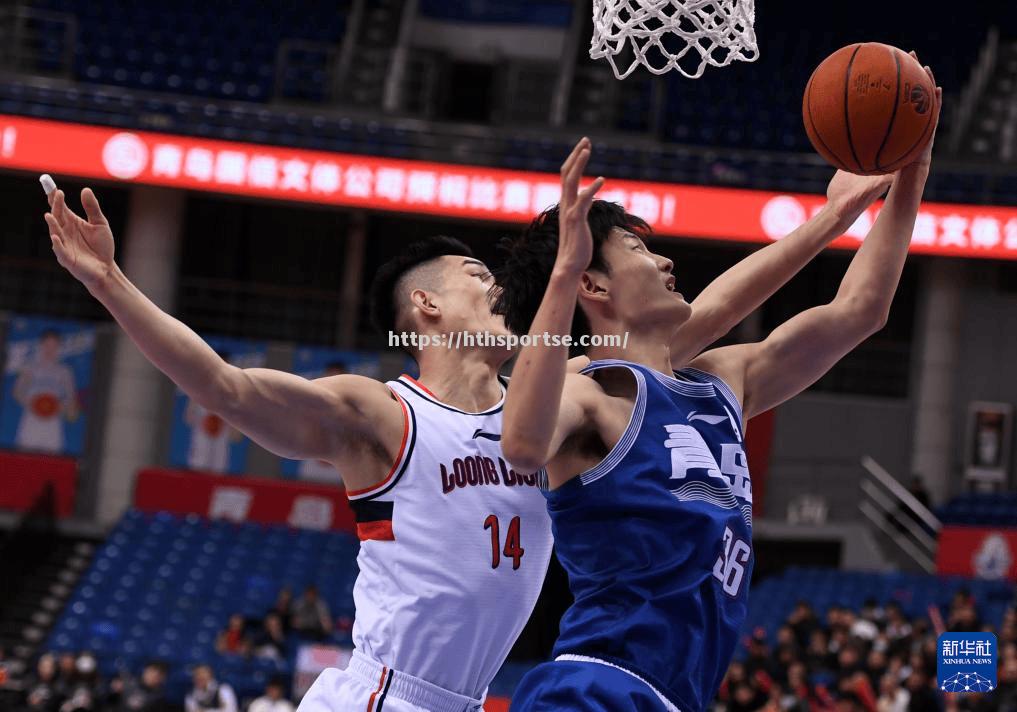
{"x": 366, "y": 394}
{"x": 728, "y": 363}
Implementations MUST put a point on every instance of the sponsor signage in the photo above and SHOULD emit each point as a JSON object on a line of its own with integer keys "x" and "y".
{"x": 302, "y": 505}
{"x": 452, "y": 190}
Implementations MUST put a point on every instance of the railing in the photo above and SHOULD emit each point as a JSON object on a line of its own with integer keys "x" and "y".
{"x": 973, "y": 91}
{"x": 896, "y": 513}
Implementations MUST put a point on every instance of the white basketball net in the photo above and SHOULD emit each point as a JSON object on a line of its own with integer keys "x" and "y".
{"x": 661, "y": 33}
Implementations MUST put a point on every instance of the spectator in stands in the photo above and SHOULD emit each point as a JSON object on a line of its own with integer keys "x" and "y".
{"x": 923, "y": 698}
{"x": 67, "y": 673}
{"x": 892, "y": 697}
{"x": 746, "y": 698}
{"x": 271, "y": 640}
{"x": 897, "y": 627}
{"x": 274, "y": 699}
{"x": 1006, "y": 693}
{"x": 208, "y": 694}
{"x": 84, "y": 693}
{"x": 964, "y": 619}
{"x": 43, "y": 690}
{"x": 233, "y": 640}
{"x": 858, "y": 627}
{"x": 146, "y": 694}
{"x": 311, "y": 616}
{"x": 283, "y": 607}
{"x": 803, "y": 621}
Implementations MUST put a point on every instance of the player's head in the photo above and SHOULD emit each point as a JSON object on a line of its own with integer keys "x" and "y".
{"x": 434, "y": 286}
{"x": 626, "y": 287}
{"x": 49, "y": 345}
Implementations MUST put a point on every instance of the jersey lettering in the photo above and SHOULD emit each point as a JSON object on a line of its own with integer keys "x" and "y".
{"x": 689, "y": 451}
{"x": 730, "y": 566}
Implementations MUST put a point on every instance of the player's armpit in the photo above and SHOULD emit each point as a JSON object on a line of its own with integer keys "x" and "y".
{"x": 800, "y": 351}
{"x": 573, "y": 414}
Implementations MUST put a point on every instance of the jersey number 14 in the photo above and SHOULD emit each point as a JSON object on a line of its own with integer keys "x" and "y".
{"x": 513, "y": 549}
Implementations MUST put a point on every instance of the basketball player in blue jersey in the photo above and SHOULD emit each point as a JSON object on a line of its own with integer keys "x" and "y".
{"x": 648, "y": 486}
{"x": 454, "y": 544}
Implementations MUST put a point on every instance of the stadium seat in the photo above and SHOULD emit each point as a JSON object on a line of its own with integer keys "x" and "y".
{"x": 164, "y": 586}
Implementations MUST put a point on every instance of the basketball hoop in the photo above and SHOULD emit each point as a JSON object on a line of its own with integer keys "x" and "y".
{"x": 660, "y": 34}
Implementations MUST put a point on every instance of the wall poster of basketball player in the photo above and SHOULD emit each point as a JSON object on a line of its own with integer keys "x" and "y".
{"x": 46, "y": 376}
{"x": 318, "y": 362}
{"x": 987, "y": 452}
{"x": 200, "y": 440}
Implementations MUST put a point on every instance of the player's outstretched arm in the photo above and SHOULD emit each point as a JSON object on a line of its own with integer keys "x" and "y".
{"x": 744, "y": 287}
{"x": 797, "y": 353}
{"x": 287, "y": 414}
{"x": 538, "y": 417}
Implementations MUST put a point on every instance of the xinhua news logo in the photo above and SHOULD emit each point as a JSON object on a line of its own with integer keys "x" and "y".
{"x": 967, "y": 662}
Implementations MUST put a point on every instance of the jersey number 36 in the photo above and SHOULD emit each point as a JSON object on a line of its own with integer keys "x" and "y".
{"x": 730, "y": 567}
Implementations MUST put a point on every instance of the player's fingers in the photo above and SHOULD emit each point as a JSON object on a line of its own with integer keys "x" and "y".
{"x": 567, "y": 165}
{"x": 59, "y": 207}
{"x": 570, "y": 184}
{"x": 91, "y": 205}
{"x": 54, "y": 226}
{"x": 589, "y": 192}
{"x": 572, "y": 165}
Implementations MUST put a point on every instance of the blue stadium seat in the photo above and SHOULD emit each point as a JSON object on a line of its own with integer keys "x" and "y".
{"x": 164, "y": 586}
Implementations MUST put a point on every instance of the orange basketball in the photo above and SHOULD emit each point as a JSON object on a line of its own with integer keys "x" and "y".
{"x": 45, "y": 405}
{"x": 868, "y": 108}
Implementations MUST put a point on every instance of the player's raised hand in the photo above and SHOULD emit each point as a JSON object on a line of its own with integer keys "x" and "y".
{"x": 575, "y": 243}
{"x": 848, "y": 194}
{"x": 83, "y": 247}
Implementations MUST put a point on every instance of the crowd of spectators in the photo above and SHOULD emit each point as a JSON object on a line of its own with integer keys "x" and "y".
{"x": 68, "y": 682}
{"x": 874, "y": 659}
{"x": 307, "y": 618}
{"x": 871, "y": 660}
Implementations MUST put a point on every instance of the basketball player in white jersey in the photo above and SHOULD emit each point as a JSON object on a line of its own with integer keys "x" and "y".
{"x": 455, "y": 543}
{"x": 45, "y": 389}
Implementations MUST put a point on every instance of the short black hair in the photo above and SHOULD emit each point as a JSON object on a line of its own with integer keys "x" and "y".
{"x": 384, "y": 306}
{"x": 529, "y": 259}
{"x": 49, "y": 334}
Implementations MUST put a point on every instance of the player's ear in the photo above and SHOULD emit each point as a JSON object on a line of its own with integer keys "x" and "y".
{"x": 593, "y": 286}
{"x": 423, "y": 301}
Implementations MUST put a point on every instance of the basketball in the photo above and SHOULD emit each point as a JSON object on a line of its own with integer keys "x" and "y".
{"x": 45, "y": 405}
{"x": 869, "y": 108}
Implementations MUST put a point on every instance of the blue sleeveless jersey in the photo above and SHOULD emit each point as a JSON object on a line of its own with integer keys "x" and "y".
{"x": 657, "y": 538}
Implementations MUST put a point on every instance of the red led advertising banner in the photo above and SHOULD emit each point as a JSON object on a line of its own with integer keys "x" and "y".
{"x": 446, "y": 189}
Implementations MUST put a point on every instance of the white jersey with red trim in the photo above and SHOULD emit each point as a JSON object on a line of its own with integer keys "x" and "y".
{"x": 454, "y": 548}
